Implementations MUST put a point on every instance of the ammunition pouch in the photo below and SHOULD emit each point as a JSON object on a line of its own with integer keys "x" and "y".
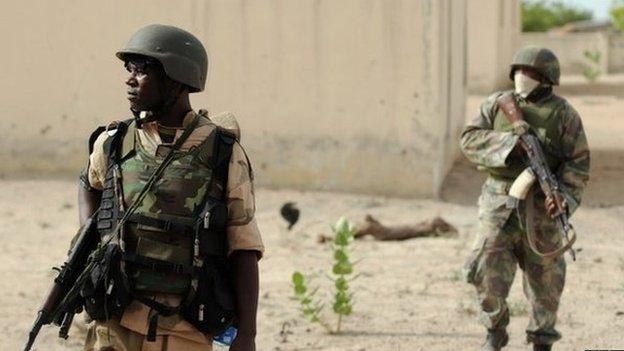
{"x": 106, "y": 292}
{"x": 211, "y": 309}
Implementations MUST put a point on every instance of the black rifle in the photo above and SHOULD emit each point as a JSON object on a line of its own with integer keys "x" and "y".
{"x": 547, "y": 181}
{"x": 57, "y": 308}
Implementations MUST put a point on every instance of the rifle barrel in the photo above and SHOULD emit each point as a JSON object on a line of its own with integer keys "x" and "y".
{"x": 34, "y": 331}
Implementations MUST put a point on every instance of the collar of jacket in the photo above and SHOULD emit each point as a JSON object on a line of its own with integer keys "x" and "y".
{"x": 540, "y": 94}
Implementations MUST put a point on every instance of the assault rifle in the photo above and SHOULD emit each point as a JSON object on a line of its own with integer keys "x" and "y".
{"x": 538, "y": 170}
{"x": 57, "y": 308}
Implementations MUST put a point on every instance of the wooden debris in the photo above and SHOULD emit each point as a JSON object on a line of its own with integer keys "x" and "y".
{"x": 435, "y": 227}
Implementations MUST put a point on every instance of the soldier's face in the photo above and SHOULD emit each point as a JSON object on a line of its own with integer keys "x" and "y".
{"x": 530, "y": 73}
{"x": 144, "y": 83}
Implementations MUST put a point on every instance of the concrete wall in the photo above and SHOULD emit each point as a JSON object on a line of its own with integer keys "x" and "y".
{"x": 616, "y": 53}
{"x": 354, "y": 95}
{"x": 493, "y": 37}
{"x": 569, "y": 48}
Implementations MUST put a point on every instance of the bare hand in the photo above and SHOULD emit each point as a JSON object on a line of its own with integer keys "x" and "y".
{"x": 551, "y": 205}
{"x": 243, "y": 342}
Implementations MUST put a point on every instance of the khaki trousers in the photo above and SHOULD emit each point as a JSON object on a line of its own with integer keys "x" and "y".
{"x": 110, "y": 336}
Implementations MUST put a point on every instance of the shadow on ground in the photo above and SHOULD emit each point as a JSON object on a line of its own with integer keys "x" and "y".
{"x": 463, "y": 183}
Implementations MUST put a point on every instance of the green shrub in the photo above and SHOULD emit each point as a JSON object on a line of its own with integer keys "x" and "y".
{"x": 617, "y": 14}
{"x": 342, "y": 270}
{"x": 592, "y": 70}
{"x": 540, "y": 16}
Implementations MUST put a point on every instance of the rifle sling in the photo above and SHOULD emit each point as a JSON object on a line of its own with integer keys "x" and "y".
{"x": 530, "y": 230}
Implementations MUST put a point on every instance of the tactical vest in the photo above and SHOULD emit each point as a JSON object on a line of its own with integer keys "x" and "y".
{"x": 181, "y": 218}
{"x": 544, "y": 119}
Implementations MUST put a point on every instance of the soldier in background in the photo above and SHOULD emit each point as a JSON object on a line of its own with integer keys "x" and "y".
{"x": 491, "y": 142}
{"x": 164, "y": 65}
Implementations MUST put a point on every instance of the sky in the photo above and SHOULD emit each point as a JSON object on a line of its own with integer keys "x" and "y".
{"x": 599, "y": 7}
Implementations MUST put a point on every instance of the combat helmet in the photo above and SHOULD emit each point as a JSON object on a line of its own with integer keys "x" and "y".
{"x": 181, "y": 54}
{"x": 539, "y": 59}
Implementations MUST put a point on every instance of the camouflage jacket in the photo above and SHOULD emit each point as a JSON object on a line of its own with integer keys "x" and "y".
{"x": 488, "y": 142}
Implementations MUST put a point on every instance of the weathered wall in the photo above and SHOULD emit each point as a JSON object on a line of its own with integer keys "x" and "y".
{"x": 493, "y": 38}
{"x": 616, "y": 53}
{"x": 570, "y": 47}
{"x": 350, "y": 95}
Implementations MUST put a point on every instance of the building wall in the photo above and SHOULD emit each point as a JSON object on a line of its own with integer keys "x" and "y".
{"x": 616, "y": 53}
{"x": 493, "y": 37}
{"x": 569, "y": 48}
{"x": 363, "y": 96}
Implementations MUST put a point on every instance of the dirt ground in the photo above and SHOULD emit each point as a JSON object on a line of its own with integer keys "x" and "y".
{"x": 409, "y": 295}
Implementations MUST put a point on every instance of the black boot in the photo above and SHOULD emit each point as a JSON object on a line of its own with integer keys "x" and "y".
{"x": 495, "y": 340}
{"x": 537, "y": 347}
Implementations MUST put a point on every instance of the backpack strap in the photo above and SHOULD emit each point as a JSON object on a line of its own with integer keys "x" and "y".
{"x": 118, "y": 146}
{"x": 214, "y": 213}
{"x": 110, "y": 206}
{"x": 224, "y": 142}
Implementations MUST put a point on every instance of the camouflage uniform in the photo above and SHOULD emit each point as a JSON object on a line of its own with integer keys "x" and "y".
{"x": 501, "y": 243}
{"x": 174, "y": 333}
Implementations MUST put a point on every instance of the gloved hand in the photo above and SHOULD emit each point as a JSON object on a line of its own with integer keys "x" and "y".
{"x": 520, "y": 127}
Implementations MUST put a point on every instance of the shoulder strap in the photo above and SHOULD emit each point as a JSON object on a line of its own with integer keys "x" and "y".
{"x": 129, "y": 139}
{"x": 115, "y": 146}
{"x": 224, "y": 141}
{"x": 96, "y": 133}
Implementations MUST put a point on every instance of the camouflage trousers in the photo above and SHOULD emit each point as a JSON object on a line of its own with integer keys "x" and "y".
{"x": 111, "y": 336}
{"x": 492, "y": 265}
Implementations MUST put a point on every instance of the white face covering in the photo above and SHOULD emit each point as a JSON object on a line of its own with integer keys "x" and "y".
{"x": 524, "y": 84}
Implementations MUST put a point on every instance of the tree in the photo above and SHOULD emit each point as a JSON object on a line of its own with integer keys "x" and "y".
{"x": 617, "y": 14}
{"x": 540, "y": 16}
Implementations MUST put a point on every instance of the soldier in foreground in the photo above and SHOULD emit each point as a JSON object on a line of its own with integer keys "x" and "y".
{"x": 492, "y": 142}
{"x": 173, "y": 199}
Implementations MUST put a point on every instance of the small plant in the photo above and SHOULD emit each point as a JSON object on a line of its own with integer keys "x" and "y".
{"x": 342, "y": 304}
{"x": 592, "y": 71}
{"x": 310, "y": 309}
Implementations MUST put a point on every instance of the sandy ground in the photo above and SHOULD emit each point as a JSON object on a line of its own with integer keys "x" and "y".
{"x": 409, "y": 295}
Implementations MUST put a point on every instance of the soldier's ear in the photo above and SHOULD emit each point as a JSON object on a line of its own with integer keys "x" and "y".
{"x": 178, "y": 88}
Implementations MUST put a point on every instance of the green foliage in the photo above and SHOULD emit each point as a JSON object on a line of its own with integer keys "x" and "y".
{"x": 592, "y": 70}
{"x": 342, "y": 269}
{"x": 309, "y": 308}
{"x": 617, "y": 14}
{"x": 540, "y": 16}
